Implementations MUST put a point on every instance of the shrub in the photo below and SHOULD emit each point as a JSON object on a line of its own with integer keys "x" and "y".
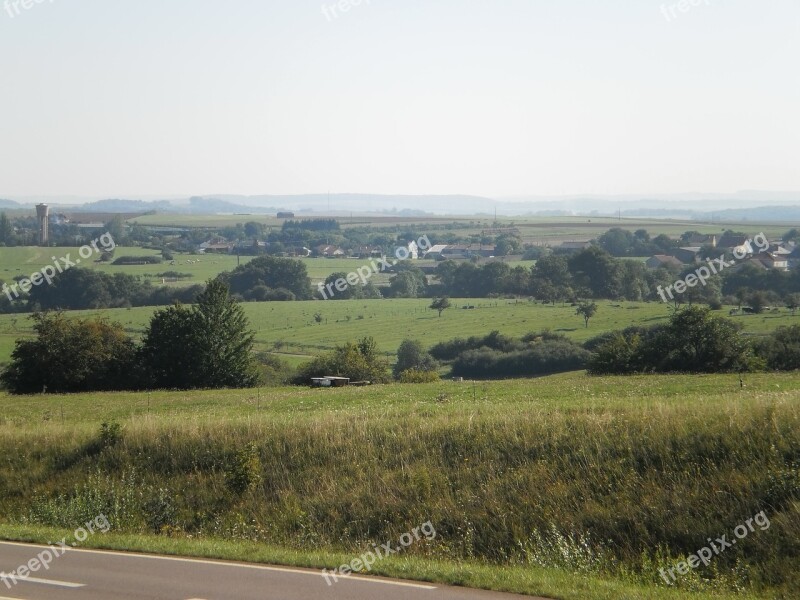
{"x": 71, "y": 355}
{"x": 544, "y": 358}
{"x": 495, "y": 340}
{"x": 138, "y": 260}
{"x": 359, "y": 361}
{"x": 411, "y": 355}
{"x": 781, "y": 350}
{"x": 693, "y": 341}
{"x": 418, "y": 376}
{"x": 245, "y": 471}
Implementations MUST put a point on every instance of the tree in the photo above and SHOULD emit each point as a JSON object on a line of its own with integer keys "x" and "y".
{"x": 757, "y": 301}
{"x": 204, "y": 347}
{"x": 359, "y": 361}
{"x": 408, "y": 283}
{"x": 331, "y": 292}
{"x": 617, "y": 242}
{"x": 116, "y": 227}
{"x": 411, "y": 355}
{"x": 598, "y": 271}
{"x": 781, "y": 350}
{"x": 587, "y": 311}
{"x": 440, "y": 304}
{"x": 793, "y": 302}
{"x": 6, "y": 230}
{"x": 272, "y": 272}
{"x": 693, "y": 341}
{"x": 71, "y": 355}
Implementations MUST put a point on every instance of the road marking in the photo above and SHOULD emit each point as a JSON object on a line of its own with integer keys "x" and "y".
{"x": 54, "y": 582}
{"x": 360, "y": 578}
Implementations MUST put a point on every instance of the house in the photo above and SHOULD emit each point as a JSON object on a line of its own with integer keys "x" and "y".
{"x": 771, "y": 261}
{"x": 286, "y": 215}
{"x": 688, "y": 254}
{"x": 782, "y": 248}
{"x": 328, "y": 251}
{"x": 662, "y": 260}
{"x": 215, "y": 246}
{"x": 366, "y": 251}
{"x": 435, "y": 252}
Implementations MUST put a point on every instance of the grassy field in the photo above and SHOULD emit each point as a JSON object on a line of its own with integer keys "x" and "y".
{"x": 541, "y": 228}
{"x": 23, "y": 261}
{"x": 290, "y": 328}
{"x": 566, "y": 486}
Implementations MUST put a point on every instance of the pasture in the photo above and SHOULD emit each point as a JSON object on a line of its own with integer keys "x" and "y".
{"x": 291, "y": 330}
{"x": 23, "y": 261}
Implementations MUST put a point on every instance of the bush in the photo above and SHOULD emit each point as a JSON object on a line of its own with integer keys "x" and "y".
{"x": 693, "y": 341}
{"x": 545, "y": 358}
{"x": 781, "y": 350}
{"x": 245, "y": 471}
{"x": 411, "y": 355}
{"x": 494, "y": 340}
{"x": 417, "y": 376}
{"x": 358, "y": 361}
{"x": 138, "y": 260}
{"x": 71, "y": 355}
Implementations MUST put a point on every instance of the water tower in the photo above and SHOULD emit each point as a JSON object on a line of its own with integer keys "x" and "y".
{"x": 43, "y": 215}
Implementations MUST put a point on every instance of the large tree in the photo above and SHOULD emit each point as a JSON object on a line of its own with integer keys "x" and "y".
{"x": 71, "y": 355}
{"x": 274, "y": 273}
{"x": 205, "y": 346}
{"x": 412, "y": 355}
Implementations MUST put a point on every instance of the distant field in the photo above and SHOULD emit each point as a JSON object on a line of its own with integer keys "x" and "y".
{"x": 539, "y": 230}
{"x": 28, "y": 259}
{"x": 291, "y": 329}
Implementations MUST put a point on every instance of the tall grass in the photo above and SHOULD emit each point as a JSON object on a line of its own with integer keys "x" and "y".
{"x": 613, "y": 475}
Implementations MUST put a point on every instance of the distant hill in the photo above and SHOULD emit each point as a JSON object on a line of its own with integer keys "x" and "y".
{"x": 123, "y": 206}
{"x": 760, "y": 214}
{"x": 9, "y": 204}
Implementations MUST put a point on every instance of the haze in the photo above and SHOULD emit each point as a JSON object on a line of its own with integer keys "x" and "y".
{"x": 502, "y": 98}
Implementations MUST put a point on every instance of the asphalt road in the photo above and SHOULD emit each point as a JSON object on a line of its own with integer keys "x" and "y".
{"x": 99, "y": 575}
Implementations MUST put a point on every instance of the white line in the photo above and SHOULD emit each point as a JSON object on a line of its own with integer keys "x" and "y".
{"x": 361, "y": 578}
{"x": 55, "y": 582}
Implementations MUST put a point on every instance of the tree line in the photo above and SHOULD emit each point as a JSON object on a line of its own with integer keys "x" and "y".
{"x": 208, "y": 345}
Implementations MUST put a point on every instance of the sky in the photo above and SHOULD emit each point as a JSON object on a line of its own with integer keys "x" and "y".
{"x": 499, "y": 98}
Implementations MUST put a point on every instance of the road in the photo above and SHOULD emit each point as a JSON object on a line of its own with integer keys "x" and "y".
{"x": 100, "y": 575}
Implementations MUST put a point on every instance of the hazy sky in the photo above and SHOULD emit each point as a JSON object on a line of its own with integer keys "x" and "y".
{"x": 495, "y": 97}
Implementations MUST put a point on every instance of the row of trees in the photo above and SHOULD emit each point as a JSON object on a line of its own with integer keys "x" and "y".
{"x": 693, "y": 341}
{"x": 208, "y": 345}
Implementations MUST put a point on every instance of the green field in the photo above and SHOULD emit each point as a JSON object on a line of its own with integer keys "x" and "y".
{"x": 23, "y": 261}
{"x": 532, "y": 228}
{"x": 290, "y": 329}
{"x": 634, "y": 472}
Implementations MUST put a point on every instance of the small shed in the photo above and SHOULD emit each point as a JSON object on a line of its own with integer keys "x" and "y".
{"x": 330, "y": 381}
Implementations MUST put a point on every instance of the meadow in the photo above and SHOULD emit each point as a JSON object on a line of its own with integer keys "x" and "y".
{"x": 566, "y": 486}
{"x": 536, "y": 229}
{"x": 23, "y": 261}
{"x": 291, "y": 330}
